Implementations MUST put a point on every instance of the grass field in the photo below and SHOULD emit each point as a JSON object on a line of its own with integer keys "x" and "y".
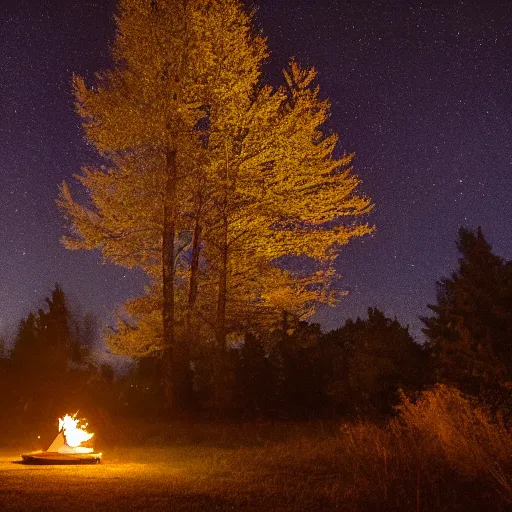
{"x": 294, "y": 476}
{"x": 441, "y": 454}
{"x": 180, "y": 478}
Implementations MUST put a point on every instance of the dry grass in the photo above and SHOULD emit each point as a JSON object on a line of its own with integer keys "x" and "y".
{"x": 439, "y": 454}
{"x": 445, "y": 424}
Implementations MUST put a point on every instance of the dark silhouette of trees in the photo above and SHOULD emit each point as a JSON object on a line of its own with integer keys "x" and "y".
{"x": 295, "y": 372}
{"x": 377, "y": 357}
{"x": 297, "y": 355}
{"x": 256, "y": 378}
{"x": 27, "y": 349}
{"x": 470, "y": 331}
{"x": 55, "y": 334}
{"x": 8, "y": 390}
{"x": 40, "y": 353}
{"x": 44, "y": 343}
{"x": 298, "y": 372}
{"x": 49, "y": 359}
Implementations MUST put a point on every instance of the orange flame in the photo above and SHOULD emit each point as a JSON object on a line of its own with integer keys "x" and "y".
{"x": 74, "y": 434}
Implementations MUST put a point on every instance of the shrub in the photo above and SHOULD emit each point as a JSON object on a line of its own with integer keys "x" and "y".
{"x": 444, "y": 421}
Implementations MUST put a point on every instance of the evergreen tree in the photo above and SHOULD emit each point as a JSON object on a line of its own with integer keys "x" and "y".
{"x": 54, "y": 332}
{"x": 6, "y": 374}
{"x": 28, "y": 349}
{"x": 338, "y": 347}
{"x": 255, "y": 378}
{"x": 296, "y": 352}
{"x": 44, "y": 344}
{"x": 40, "y": 354}
{"x": 48, "y": 356}
{"x": 470, "y": 331}
{"x": 383, "y": 358}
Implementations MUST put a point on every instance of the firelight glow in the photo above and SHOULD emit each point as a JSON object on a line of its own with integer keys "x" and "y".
{"x": 74, "y": 434}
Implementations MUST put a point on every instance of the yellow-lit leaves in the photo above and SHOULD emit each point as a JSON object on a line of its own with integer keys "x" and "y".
{"x": 255, "y": 171}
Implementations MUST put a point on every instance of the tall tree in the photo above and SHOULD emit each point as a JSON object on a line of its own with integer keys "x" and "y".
{"x": 44, "y": 342}
{"x": 214, "y": 178}
{"x": 27, "y": 350}
{"x": 284, "y": 194}
{"x": 255, "y": 377}
{"x": 55, "y": 331}
{"x": 141, "y": 116}
{"x": 297, "y": 357}
{"x": 470, "y": 330}
{"x": 43, "y": 349}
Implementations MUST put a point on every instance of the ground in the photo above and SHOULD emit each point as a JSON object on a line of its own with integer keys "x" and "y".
{"x": 264, "y": 466}
{"x": 180, "y": 478}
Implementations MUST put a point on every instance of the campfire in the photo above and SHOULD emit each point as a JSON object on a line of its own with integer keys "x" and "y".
{"x": 71, "y": 446}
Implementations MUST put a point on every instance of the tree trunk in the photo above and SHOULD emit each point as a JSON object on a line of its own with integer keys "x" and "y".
{"x": 221, "y": 393}
{"x": 169, "y": 233}
{"x": 285, "y": 325}
{"x": 189, "y": 339}
{"x": 220, "y": 331}
{"x": 194, "y": 268}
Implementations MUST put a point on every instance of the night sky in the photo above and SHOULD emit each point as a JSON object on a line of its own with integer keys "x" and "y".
{"x": 419, "y": 90}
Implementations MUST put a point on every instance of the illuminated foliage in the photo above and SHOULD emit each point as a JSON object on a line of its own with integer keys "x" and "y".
{"x": 213, "y": 178}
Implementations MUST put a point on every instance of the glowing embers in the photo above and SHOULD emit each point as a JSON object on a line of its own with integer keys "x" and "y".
{"x": 67, "y": 446}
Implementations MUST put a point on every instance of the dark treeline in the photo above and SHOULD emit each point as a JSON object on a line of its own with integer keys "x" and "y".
{"x": 302, "y": 373}
{"x": 50, "y": 367}
{"x": 296, "y": 372}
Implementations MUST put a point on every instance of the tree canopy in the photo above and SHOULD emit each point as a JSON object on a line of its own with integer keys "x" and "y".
{"x": 213, "y": 177}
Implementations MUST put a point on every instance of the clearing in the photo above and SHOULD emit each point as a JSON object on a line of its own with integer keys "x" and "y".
{"x": 170, "y": 478}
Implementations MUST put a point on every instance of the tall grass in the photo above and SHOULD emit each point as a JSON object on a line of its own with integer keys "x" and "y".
{"x": 443, "y": 423}
{"x": 441, "y": 452}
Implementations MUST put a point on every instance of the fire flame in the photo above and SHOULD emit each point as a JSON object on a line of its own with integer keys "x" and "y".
{"x": 74, "y": 434}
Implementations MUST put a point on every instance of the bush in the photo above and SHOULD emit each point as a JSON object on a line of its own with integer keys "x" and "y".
{"x": 444, "y": 421}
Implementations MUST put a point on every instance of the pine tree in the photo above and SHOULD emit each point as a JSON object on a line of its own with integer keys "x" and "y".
{"x": 27, "y": 350}
{"x": 55, "y": 333}
{"x": 470, "y": 330}
{"x": 255, "y": 378}
{"x": 383, "y": 358}
{"x": 42, "y": 351}
{"x": 44, "y": 343}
